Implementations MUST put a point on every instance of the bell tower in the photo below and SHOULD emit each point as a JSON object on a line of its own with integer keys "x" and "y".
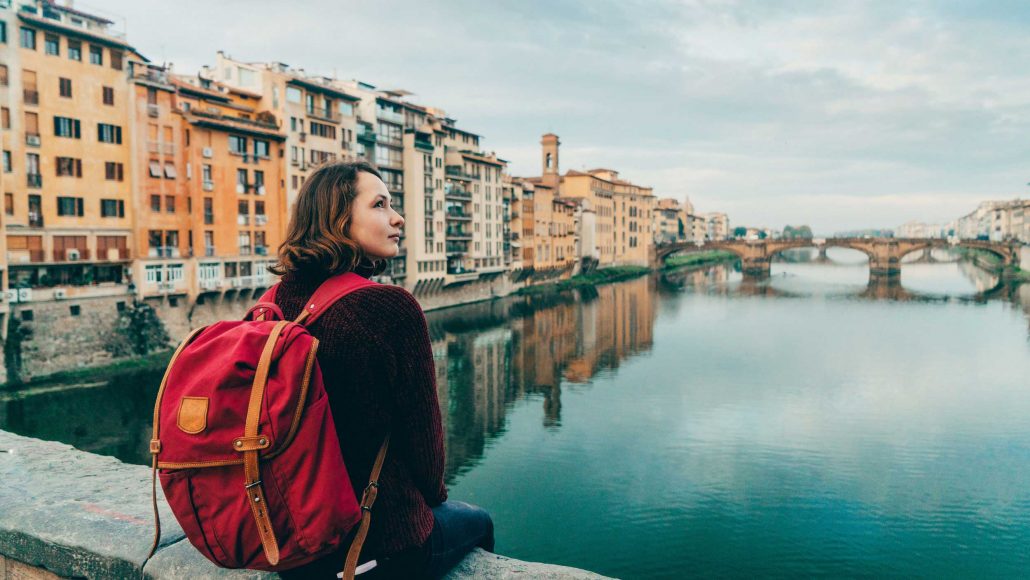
{"x": 549, "y": 144}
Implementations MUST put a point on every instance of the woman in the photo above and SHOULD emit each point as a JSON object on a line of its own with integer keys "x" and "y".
{"x": 377, "y": 366}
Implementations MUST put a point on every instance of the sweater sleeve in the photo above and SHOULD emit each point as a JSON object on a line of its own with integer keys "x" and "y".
{"x": 417, "y": 429}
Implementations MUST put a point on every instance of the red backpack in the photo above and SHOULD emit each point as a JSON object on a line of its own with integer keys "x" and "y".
{"x": 245, "y": 443}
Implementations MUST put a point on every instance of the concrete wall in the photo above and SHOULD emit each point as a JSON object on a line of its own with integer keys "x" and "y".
{"x": 67, "y": 513}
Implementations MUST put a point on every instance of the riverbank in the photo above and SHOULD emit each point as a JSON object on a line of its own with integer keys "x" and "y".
{"x": 698, "y": 259}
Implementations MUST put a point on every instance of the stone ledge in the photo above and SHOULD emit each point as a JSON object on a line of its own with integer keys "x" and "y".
{"x": 78, "y": 514}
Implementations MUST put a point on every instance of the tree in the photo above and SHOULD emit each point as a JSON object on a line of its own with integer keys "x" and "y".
{"x": 739, "y": 232}
{"x": 138, "y": 331}
{"x": 762, "y": 235}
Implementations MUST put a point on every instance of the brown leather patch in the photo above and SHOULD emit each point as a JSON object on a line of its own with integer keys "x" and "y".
{"x": 192, "y": 414}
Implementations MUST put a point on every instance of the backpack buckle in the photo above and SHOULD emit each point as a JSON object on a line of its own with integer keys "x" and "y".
{"x": 252, "y": 485}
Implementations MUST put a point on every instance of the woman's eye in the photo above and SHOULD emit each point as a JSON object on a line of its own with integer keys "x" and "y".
{"x": 379, "y": 203}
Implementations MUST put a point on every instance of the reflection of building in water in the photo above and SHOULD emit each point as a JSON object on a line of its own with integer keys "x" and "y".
{"x": 982, "y": 279}
{"x": 488, "y": 357}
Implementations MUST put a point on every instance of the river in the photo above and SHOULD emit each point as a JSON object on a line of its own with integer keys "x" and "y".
{"x": 694, "y": 423}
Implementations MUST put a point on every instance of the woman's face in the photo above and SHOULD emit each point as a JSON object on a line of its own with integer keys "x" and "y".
{"x": 374, "y": 225}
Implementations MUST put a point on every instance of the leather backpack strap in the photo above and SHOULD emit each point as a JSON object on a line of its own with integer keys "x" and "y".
{"x": 367, "y": 499}
{"x": 251, "y": 445}
{"x": 328, "y": 293}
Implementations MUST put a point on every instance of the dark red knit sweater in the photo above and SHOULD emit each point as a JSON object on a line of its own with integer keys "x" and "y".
{"x": 377, "y": 366}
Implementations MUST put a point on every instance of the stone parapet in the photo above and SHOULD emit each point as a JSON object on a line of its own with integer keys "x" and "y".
{"x": 67, "y": 513}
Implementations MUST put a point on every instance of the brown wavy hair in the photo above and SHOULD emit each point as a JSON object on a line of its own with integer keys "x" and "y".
{"x": 317, "y": 239}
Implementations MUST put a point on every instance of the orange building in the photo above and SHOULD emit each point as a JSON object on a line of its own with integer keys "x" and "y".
{"x": 67, "y": 157}
{"x": 208, "y": 176}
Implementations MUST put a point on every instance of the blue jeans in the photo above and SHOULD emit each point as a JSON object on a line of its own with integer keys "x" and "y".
{"x": 458, "y": 528}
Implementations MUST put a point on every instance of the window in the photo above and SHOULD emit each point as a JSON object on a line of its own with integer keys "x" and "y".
{"x": 74, "y": 50}
{"x": 244, "y": 243}
{"x": 259, "y": 208}
{"x": 28, "y": 38}
{"x": 67, "y": 127}
{"x": 114, "y": 171}
{"x": 3, "y": 32}
{"x": 52, "y": 44}
{"x": 243, "y": 207}
{"x": 259, "y": 181}
{"x": 205, "y": 172}
{"x": 293, "y": 94}
{"x": 259, "y": 239}
{"x": 69, "y": 167}
{"x": 9, "y": 203}
{"x": 75, "y": 309}
{"x": 3, "y": 75}
{"x": 260, "y": 148}
{"x": 170, "y": 171}
{"x": 112, "y": 208}
{"x": 155, "y": 204}
{"x": 209, "y": 211}
{"x": 32, "y": 124}
{"x": 26, "y": 315}
{"x": 65, "y": 86}
{"x": 116, "y": 59}
{"x": 237, "y": 145}
{"x": 69, "y": 206}
{"x": 108, "y": 96}
{"x": 169, "y": 204}
{"x": 241, "y": 180}
{"x": 109, "y": 133}
{"x": 96, "y": 54}
{"x": 209, "y": 250}
{"x": 7, "y": 161}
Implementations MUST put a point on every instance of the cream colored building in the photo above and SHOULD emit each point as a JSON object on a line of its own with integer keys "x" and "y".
{"x": 718, "y": 226}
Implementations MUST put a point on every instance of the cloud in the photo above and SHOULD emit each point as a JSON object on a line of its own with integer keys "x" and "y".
{"x": 846, "y": 114}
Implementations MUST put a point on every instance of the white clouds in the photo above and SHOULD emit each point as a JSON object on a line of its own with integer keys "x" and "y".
{"x": 845, "y": 114}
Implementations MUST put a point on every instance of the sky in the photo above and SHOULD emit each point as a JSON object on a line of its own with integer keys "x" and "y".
{"x": 842, "y": 115}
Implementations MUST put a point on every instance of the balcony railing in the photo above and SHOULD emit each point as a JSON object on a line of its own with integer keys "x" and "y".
{"x": 71, "y": 254}
{"x": 452, "y": 191}
{"x": 163, "y": 252}
{"x": 35, "y": 219}
{"x": 32, "y": 139}
{"x": 458, "y": 172}
{"x": 243, "y": 220}
{"x": 457, "y": 215}
{"x": 34, "y": 179}
{"x": 366, "y": 134}
{"x": 260, "y": 219}
{"x": 31, "y": 96}
{"x": 458, "y": 234}
{"x": 324, "y": 113}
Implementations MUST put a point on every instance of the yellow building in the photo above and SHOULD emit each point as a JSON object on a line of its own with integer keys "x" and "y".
{"x": 67, "y": 157}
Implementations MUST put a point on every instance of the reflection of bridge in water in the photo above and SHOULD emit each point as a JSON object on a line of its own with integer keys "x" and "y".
{"x": 885, "y": 254}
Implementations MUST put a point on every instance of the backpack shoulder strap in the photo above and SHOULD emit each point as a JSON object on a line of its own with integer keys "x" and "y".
{"x": 328, "y": 293}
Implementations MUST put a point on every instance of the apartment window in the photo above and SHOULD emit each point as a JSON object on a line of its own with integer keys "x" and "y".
{"x": 52, "y": 44}
{"x": 155, "y": 204}
{"x": 112, "y": 208}
{"x": 169, "y": 204}
{"x": 116, "y": 59}
{"x": 96, "y": 54}
{"x": 109, "y": 133}
{"x": 170, "y": 171}
{"x": 108, "y": 96}
{"x": 209, "y": 250}
{"x": 243, "y": 207}
{"x": 32, "y": 124}
{"x": 259, "y": 181}
{"x": 3, "y": 32}
{"x": 75, "y": 309}
{"x": 205, "y": 172}
{"x": 5, "y": 115}
{"x": 69, "y": 167}
{"x": 259, "y": 239}
{"x": 237, "y": 145}
{"x": 28, "y": 38}
{"x": 244, "y": 243}
{"x": 7, "y": 161}
{"x": 65, "y": 87}
{"x": 209, "y": 211}
{"x": 259, "y": 208}
{"x": 67, "y": 127}
{"x": 151, "y": 96}
{"x": 114, "y": 171}
{"x": 293, "y": 94}
{"x": 26, "y": 315}
{"x": 74, "y": 50}
{"x": 9, "y": 203}
{"x": 69, "y": 206}
{"x": 260, "y": 148}
{"x": 241, "y": 180}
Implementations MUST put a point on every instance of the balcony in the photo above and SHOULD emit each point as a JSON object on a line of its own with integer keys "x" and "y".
{"x": 457, "y": 248}
{"x": 366, "y": 134}
{"x": 391, "y": 116}
{"x": 34, "y": 179}
{"x": 424, "y": 145}
{"x": 261, "y": 250}
{"x": 24, "y": 256}
{"x": 386, "y": 140}
{"x": 161, "y": 147}
{"x": 71, "y": 255}
{"x": 453, "y": 214}
{"x": 35, "y": 219}
{"x": 457, "y": 172}
{"x": 458, "y": 234}
{"x": 163, "y": 252}
{"x": 452, "y": 191}
{"x": 31, "y": 96}
{"x": 325, "y": 114}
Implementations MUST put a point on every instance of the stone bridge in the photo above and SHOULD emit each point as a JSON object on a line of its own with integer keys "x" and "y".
{"x": 884, "y": 254}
